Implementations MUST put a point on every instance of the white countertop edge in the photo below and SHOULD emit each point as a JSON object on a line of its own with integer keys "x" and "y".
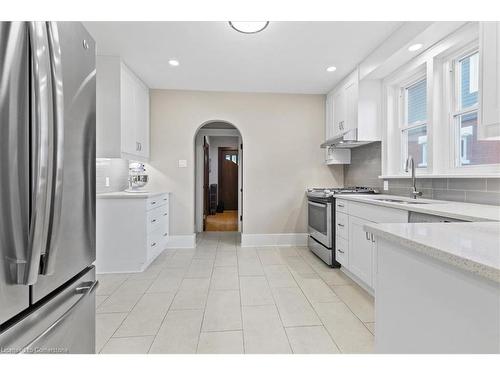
{"x": 424, "y": 208}
{"x": 469, "y": 265}
{"x": 127, "y": 195}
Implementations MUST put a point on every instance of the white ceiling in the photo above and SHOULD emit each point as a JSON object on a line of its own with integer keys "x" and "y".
{"x": 288, "y": 57}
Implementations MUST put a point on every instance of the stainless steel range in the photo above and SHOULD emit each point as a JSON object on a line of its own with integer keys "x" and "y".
{"x": 321, "y": 219}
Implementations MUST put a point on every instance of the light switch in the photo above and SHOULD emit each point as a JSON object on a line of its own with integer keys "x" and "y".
{"x": 386, "y": 185}
{"x": 183, "y": 163}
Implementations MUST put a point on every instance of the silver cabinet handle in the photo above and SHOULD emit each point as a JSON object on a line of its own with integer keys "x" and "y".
{"x": 165, "y": 214}
{"x": 340, "y": 205}
{"x": 165, "y": 234}
{"x": 367, "y": 235}
{"x": 153, "y": 202}
{"x": 340, "y": 225}
{"x": 153, "y": 244}
{"x": 153, "y": 221}
{"x": 49, "y": 259}
{"x": 340, "y": 251}
{"x": 372, "y": 237}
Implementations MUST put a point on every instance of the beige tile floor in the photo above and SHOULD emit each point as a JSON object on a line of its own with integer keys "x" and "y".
{"x": 221, "y": 298}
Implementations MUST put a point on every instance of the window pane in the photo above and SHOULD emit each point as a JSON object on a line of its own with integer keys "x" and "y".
{"x": 228, "y": 157}
{"x": 416, "y": 139}
{"x": 471, "y": 151}
{"x": 416, "y": 106}
{"x": 469, "y": 80}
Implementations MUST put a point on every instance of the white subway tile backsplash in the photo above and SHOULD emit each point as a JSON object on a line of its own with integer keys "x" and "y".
{"x": 116, "y": 170}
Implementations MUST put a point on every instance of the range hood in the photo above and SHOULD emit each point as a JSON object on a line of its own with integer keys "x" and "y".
{"x": 349, "y": 139}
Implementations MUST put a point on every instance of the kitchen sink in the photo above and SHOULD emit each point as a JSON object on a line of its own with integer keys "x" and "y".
{"x": 399, "y": 201}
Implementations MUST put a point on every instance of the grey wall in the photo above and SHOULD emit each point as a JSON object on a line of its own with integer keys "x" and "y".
{"x": 471, "y": 190}
{"x": 366, "y": 166}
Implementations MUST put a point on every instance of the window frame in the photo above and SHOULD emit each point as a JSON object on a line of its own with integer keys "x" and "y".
{"x": 452, "y": 99}
{"x": 404, "y": 126}
{"x": 434, "y": 62}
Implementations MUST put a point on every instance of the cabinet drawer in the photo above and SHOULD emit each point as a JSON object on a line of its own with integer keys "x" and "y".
{"x": 157, "y": 201}
{"x": 342, "y": 225}
{"x": 154, "y": 243}
{"x": 342, "y": 251}
{"x": 341, "y": 205}
{"x": 377, "y": 214}
{"x": 157, "y": 217}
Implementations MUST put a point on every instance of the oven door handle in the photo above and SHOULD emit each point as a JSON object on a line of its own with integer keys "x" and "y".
{"x": 322, "y": 205}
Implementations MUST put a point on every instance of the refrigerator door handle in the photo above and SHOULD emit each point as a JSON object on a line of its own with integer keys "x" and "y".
{"x": 85, "y": 289}
{"x": 48, "y": 259}
{"x": 41, "y": 145}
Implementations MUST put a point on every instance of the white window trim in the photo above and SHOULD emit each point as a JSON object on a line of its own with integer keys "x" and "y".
{"x": 395, "y": 149}
{"x": 403, "y": 115}
{"x": 452, "y": 111}
{"x": 433, "y": 63}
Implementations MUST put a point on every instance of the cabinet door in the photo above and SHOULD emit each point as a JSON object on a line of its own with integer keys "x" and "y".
{"x": 329, "y": 125}
{"x": 128, "y": 113}
{"x": 489, "y": 55}
{"x": 360, "y": 250}
{"x": 339, "y": 109}
{"x": 142, "y": 119}
{"x": 351, "y": 106}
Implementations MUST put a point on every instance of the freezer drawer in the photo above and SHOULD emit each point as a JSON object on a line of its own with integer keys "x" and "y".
{"x": 64, "y": 323}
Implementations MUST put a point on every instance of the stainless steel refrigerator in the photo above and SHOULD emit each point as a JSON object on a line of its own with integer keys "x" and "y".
{"x": 47, "y": 188}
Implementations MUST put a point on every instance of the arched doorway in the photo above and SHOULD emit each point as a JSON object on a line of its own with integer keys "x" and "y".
{"x": 218, "y": 177}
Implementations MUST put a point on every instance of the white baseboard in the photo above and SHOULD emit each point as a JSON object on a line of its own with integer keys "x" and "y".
{"x": 181, "y": 241}
{"x": 274, "y": 239}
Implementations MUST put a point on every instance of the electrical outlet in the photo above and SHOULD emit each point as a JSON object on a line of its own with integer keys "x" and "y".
{"x": 386, "y": 185}
{"x": 107, "y": 182}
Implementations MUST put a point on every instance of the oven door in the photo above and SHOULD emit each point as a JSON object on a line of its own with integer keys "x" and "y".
{"x": 320, "y": 222}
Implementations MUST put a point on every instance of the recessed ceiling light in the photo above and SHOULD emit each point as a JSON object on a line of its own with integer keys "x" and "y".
{"x": 415, "y": 47}
{"x": 331, "y": 69}
{"x": 249, "y": 27}
{"x": 173, "y": 62}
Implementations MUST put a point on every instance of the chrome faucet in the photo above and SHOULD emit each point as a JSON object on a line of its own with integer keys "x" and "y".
{"x": 411, "y": 164}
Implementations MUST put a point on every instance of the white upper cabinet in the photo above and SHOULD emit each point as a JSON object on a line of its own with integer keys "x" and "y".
{"x": 489, "y": 81}
{"x": 122, "y": 129}
{"x": 356, "y": 110}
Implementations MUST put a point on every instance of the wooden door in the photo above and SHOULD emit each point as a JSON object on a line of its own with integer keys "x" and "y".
{"x": 228, "y": 177}
{"x": 206, "y": 162}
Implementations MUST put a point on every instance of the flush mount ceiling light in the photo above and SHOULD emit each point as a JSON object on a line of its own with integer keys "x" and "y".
{"x": 415, "y": 47}
{"x": 173, "y": 62}
{"x": 331, "y": 69}
{"x": 249, "y": 27}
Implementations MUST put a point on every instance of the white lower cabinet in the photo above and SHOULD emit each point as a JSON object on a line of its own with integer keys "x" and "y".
{"x": 355, "y": 249}
{"x": 130, "y": 231}
{"x": 361, "y": 250}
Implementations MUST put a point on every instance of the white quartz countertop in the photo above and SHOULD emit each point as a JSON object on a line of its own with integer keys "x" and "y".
{"x": 474, "y": 247}
{"x": 456, "y": 210}
{"x": 126, "y": 195}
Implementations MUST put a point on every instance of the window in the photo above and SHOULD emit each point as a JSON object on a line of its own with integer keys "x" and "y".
{"x": 468, "y": 150}
{"x": 414, "y": 122}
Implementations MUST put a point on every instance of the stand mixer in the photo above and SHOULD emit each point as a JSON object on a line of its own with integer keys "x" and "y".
{"x": 137, "y": 178}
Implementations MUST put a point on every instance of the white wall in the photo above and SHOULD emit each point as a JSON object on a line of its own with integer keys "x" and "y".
{"x": 281, "y": 134}
{"x": 113, "y": 168}
{"x": 215, "y": 143}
